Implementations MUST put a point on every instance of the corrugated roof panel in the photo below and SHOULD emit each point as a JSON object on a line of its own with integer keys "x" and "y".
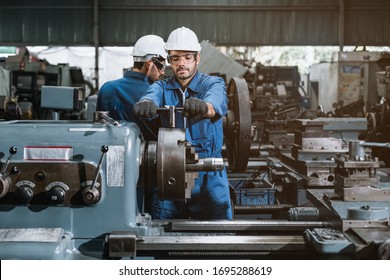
{"x": 225, "y": 27}
{"x": 368, "y": 26}
{"x": 223, "y": 22}
{"x": 25, "y": 22}
{"x": 231, "y": 22}
{"x": 200, "y": 4}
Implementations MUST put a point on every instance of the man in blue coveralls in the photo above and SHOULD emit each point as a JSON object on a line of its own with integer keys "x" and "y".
{"x": 119, "y": 96}
{"x": 204, "y": 100}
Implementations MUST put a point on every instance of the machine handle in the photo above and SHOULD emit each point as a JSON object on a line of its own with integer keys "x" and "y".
{"x": 13, "y": 150}
{"x": 103, "y": 115}
{"x": 171, "y": 111}
{"x": 91, "y": 194}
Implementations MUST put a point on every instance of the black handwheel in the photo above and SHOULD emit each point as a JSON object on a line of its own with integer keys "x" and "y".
{"x": 371, "y": 125}
{"x": 238, "y": 122}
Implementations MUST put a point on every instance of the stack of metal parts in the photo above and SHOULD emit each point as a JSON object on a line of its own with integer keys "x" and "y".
{"x": 313, "y": 154}
{"x": 276, "y": 134}
{"x": 356, "y": 178}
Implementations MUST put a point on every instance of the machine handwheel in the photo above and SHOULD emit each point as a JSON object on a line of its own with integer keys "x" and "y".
{"x": 238, "y": 132}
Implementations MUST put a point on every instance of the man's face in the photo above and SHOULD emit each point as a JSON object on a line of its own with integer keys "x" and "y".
{"x": 156, "y": 69}
{"x": 184, "y": 64}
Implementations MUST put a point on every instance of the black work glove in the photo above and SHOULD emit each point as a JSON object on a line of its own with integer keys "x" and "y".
{"x": 194, "y": 106}
{"x": 145, "y": 109}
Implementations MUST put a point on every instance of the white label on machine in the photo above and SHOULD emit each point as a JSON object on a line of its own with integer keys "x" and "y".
{"x": 52, "y": 153}
{"x": 88, "y": 129}
{"x": 115, "y": 166}
{"x": 31, "y": 234}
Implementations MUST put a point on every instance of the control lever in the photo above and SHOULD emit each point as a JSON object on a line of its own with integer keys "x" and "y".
{"x": 356, "y": 148}
{"x": 171, "y": 111}
{"x": 12, "y": 151}
{"x": 4, "y": 179}
{"x": 90, "y": 193}
{"x": 376, "y": 144}
{"x": 103, "y": 115}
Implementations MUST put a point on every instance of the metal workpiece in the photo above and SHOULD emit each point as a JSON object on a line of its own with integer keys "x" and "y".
{"x": 206, "y": 164}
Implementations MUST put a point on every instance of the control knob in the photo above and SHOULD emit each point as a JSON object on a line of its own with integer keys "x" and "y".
{"x": 56, "y": 195}
{"x": 25, "y": 193}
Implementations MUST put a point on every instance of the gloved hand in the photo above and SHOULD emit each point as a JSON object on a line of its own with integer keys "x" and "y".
{"x": 145, "y": 109}
{"x": 194, "y": 106}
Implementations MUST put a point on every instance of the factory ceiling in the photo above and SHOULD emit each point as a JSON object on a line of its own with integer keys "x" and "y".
{"x": 225, "y": 23}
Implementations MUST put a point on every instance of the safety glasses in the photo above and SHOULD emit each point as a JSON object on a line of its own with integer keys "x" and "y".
{"x": 160, "y": 65}
{"x": 187, "y": 58}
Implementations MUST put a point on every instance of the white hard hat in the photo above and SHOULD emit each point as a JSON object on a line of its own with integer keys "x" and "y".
{"x": 149, "y": 46}
{"x": 183, "y": 39}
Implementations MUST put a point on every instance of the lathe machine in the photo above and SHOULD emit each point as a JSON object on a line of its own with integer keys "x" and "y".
{"x": 74, "y": 190}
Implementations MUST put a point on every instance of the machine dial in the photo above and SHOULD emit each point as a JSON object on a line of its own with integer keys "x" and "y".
{"x": 56, "y": 192}
{"x": 25, "y": 191}
{"x": 56, "y": 195}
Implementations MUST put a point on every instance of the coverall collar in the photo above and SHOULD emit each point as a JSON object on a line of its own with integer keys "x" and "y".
{"x": 138, "y": 75}
{"x": 193, "y": 85}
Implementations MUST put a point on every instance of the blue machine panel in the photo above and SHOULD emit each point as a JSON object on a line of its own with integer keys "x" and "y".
{"x": 44, "y": 182}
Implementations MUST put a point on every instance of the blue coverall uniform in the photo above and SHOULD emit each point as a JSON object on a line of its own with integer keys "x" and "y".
{"x": 119, "y": 96}
{"x": 210, "y": 198}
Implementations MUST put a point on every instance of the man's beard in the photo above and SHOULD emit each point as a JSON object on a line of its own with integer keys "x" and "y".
{"x": 184, "y": 76}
